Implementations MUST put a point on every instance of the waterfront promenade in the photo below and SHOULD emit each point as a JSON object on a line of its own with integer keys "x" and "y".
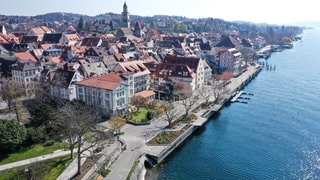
{"x": 136, "y": 137}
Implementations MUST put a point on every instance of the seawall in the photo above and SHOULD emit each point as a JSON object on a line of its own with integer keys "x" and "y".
{"x": 204, "y": 114}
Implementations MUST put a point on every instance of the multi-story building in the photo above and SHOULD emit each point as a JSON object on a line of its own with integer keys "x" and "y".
{"x": 24, "y": 72}
{"x": 107, "y": 92}
{"x": 62, "y": 83}
{"x": 137, "y": 73}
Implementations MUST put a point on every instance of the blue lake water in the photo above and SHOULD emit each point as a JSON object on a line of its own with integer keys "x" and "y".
{"x": 275, "y": 136}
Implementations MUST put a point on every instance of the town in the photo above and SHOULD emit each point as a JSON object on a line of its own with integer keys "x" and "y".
{"x": 91, "y": 85}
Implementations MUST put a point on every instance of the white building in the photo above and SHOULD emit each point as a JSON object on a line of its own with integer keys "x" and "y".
{"x": 24, "y": 72}
{"x": 107, "y": 92}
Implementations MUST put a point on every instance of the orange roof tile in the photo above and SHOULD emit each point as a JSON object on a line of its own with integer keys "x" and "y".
{"x": 145, "y": 94}
{"x": 106, "y": 81}
{"x": 25, "y": 56}
{"x": 38, "y": 30}
{"x": 56, "y": 60}
{"x": 46, "y": 46}
{"x": 2, "y": 39}
{"x": 72, "y": 37}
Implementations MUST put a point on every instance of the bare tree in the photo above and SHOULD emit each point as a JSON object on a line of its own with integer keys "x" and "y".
{"x": 42, "y": 92}
{"x": 76, "y": 122}
{"x": 138, "y": 101}
{"x": 177, "y": 89}
{"x": 188, "y": 101}
{"x": 11, "y": 91}
{"x": 206, "y": 92}
{"x": 117, "y": 122}
{"x": 170, "y": 112}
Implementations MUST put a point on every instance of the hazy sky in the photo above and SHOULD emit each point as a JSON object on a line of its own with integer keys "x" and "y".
{"x": 268, "y": 11}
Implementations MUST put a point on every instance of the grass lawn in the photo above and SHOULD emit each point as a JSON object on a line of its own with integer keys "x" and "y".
{"x": 49, "y": 169}
{"x": 140, "y": 116}
{"x": 33, "y": 151}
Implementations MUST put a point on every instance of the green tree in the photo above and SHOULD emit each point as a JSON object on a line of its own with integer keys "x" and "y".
{"x": 12, "y": 135}
{"x": 80, "y": 24}
{"x": 42, "y": 115}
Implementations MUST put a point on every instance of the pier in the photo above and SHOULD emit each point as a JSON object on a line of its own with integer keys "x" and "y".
{"x": 235, "y": 98}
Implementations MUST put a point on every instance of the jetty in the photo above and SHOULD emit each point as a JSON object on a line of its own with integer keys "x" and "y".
{"x": 265, "y": 52}
{"x": 238, "y": 94}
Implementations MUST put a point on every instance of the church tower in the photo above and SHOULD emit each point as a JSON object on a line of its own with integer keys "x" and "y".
{"x": 125, "y": 16}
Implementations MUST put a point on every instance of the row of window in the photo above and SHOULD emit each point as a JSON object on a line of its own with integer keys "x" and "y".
{"x": 24, "y": 73}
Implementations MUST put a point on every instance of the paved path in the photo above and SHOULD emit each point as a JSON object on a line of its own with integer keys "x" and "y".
{"x": 136, "y": 136}
{"x": 55, "y": 154}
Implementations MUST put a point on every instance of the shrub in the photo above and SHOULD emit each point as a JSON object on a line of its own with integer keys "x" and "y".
{"x": 48, "y": 143}
{"x": 150, "y": 115}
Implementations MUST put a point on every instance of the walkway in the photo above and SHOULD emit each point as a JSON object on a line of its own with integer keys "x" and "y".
{"x": 55, "y": 154}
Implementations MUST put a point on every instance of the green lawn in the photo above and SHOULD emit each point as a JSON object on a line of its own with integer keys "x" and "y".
{"x": 46, "y": 170}
{"x": 140, "y": 116}
{"x": 33, "y": 151}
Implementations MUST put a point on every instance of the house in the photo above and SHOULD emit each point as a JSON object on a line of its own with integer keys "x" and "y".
{"x": 39, "y": 32}
{"x": 170, "y": 78}
{"x": 62, "y": 82}
{"x": 227, "y": 58}
{"x": 138, "y": 30}
{"x": 51, "y": 38}
{"x": 195, "y": 64}
{"x": 227, "y": 42}
{"x": 28, "y": 39}
{"x": 91, "y": 41}
{"x": 69, "y": 39}
{"x": 138, "y": 71}
{"x": 26, "y": 55}
{"x": 95, "y": 54}
{"x": 153, "y": 34}
{"x": 53, "y": 51}
{"x": 73, "y": 53}
{"x": 93, "y": 69}
{"x": 24, "y": 72}
{"x": 124, "y": 33}
{"x": 107, "y": 92}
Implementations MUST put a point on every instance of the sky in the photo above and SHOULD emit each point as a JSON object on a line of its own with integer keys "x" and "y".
{"x": 257, "y": 11}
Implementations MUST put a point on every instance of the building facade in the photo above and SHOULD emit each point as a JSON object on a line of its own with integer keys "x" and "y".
{"x": 24, "y": 73}
{"x": 108, "y": 93}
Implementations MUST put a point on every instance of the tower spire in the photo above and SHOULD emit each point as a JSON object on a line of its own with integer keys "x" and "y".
{"x": 125, "y": 16}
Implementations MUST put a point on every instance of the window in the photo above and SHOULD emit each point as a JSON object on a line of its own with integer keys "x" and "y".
{"x": 80, "y": 90}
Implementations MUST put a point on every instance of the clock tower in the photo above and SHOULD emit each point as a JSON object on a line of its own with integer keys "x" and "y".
{"x": 125, "y": 16}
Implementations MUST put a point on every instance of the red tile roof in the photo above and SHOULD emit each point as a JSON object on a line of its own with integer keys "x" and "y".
{"x": 25, "y": 56}
{"x": 145, "y": 94}
{"x": 106, "y": 81}
{"x": 2, "y": 39}
{"x": 56, "y": 60}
